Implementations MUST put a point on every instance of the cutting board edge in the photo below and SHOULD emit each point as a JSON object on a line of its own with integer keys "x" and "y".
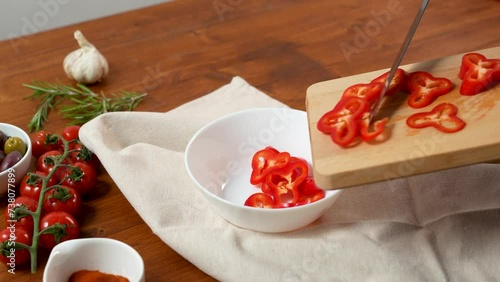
{"x": 490, "y": 153}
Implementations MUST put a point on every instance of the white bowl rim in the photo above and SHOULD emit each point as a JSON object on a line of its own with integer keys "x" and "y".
{"x": 90, "y": 240}
{"x": 328, "y": 193}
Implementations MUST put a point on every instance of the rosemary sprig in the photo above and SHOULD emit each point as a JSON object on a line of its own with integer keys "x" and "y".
{"x": 85, "y": 105}
{"x": 89, "y": 107}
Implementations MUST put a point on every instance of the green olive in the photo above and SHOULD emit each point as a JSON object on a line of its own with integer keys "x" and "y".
{"x": 15, "y": 144}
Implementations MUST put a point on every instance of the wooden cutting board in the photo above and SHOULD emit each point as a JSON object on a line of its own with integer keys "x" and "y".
{"x": 406, "y": 151}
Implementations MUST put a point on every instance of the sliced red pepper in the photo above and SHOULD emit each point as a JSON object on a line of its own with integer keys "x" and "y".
{"x": 341, "y": 122}
{"x": 425, "y": 88}
{"x": 369, "y": 92}
{"x": 478, "y": 73}
{"x": 260, "y": 200}
{"x": 345, "y": 130}
{"x": 354, "y": 106}
{"x": 266, "y": 189}
{"x": 443, "y": 117}
{"x": 266, "y": 161}
{"x": 284, "y": 183}
{"x": 364, "y": 127}
{"x": 309, "y": 192}
{"x": 398, "y": 82}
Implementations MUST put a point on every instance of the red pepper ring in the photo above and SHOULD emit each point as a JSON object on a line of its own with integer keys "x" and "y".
{"x": 260, "y": 200}
{"x": 353, "y": 106}
{"x": 478, "y": 61}
{"x": 370, "y": 92}
{"x": 266, "y": 161}
{"x": 377, "y": 128}
{"x": 345, "y": 130}
{"x": 443, "y": 117}
{"x": 478, "y": 73}
{"x": 398, "y": 82}
{"x": 284, "y": 183}
{"x": 425, "y": 88}
{"x": 309, "y": 192}
{"x": 342, "y": 122}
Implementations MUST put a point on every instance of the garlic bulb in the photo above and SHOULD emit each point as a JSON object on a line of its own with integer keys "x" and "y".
{"x": 86, "y": 65}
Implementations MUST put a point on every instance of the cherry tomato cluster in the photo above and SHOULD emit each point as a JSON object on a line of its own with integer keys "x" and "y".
{"x": 283, "y": 179}
{"x": 62, "y": 192}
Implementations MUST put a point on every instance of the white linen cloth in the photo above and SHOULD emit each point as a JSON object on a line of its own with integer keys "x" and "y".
{"x": 441, "y": 226}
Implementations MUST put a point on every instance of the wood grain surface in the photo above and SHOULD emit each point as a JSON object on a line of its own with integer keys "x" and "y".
{"x": 404, "y": 151}
{"x": 181, "y": 50}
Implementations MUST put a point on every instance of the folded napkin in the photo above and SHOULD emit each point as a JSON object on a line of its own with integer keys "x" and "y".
{"x": 441, "y": 226}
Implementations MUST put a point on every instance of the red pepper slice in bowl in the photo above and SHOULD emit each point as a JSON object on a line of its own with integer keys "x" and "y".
{"x": 478, "y": 73}
{"x": 425, "y": 88}
{"x": 443, "y": 117}
{"x": 284, "y": 183}
{"x": 309, "y": 192}
{"x": 266, "y": 161}
{"x": 260, "y": 200}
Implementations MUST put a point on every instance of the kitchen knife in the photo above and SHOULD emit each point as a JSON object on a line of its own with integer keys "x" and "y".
{"x": 400, "y": 55}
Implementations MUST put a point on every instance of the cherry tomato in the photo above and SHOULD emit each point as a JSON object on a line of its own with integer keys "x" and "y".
{"x": 31, "y": 185}
{"x": 63, "y": 227}
{"x": 84, "y": 155}
{"x": 43, "y": 142}
{"x": 20, "y": 256}
{"x": 23, "y": 221}
{"x": 62, "y": 199}
{"x": 45, "y": 163}
{"x": 80, "y": 176}
{"x": 70, "y": 133}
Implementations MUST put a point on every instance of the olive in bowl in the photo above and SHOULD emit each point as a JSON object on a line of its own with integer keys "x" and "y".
{"x": 15, "y": 156}
{"x": 219, "y": 159}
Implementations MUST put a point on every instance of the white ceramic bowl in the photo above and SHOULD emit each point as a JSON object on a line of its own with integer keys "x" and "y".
{"x": 22, "y": 167}
{"x": 218, "y": 159}
{"x": 103, "y": 254}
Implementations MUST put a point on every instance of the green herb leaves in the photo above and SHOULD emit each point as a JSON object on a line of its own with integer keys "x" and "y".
{"x": 83, "y": 105}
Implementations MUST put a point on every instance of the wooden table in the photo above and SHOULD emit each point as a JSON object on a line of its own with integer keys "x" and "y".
{"x": 179, "y": 51}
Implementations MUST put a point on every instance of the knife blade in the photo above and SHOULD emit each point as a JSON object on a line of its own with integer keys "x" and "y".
{"x": 401, "y": 53}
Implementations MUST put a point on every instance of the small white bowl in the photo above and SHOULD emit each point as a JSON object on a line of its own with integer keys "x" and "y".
{"x": 218, "y": 159}
{"x": 103, "y": 254}
{"x": 22, "y": 167}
